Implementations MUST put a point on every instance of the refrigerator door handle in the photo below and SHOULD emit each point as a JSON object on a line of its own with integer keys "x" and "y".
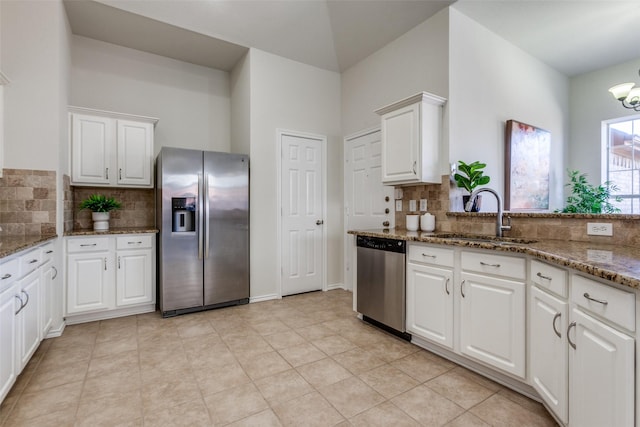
{"x": 206, "y": 216}
{"x": 200, "y": 212}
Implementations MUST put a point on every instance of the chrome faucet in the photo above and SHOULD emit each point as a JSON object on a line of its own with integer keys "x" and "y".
{"x": 499, "y": 226}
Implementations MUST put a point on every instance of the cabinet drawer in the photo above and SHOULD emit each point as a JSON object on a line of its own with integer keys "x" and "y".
{"x": 9, "y": 272}
{"x": 553, "y": 279}
{"x": 47, "y": 252}
{"x": 430, "y": 255}
{"x": 30, "y": 261}
{"x": 494, "y": 264}
{"x": 135, "y": 241}
{"x": 612, "y": 304}
{"x": 88, "y": 244}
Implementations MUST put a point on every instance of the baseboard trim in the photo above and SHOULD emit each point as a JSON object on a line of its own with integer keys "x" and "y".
{"x": 57, "y": 332}
{"x": 262, "y": 298}
{"x": 333, "y": 286}
{"x": 109, "y": 314}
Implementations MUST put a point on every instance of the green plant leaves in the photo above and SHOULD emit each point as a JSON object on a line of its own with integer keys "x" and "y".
{"x": 100, "y": 203}
{"x": 474, "y": 175}
{"x": 586, "y": 198}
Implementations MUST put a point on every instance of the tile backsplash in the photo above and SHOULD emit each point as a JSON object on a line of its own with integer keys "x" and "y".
{"x": 445, "y": 202}
{"x": 138, "y": 207}
{"x": 27, "y": 202}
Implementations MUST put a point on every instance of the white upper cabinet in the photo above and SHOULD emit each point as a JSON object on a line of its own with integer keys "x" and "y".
{"x": 111, "y": 149}
{"x": 411, "y": 139}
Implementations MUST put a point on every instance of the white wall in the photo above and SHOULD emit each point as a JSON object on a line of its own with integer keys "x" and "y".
{"x": 35, "y": 38}
{"x": 241, "y": 106}
{"x": 33, "y": 58}
{"x": 416, "y": 61}
{"x": 492, "y": 81}
{"x": 591, "y": 103}
{"x": 290, "y": 95}
{"x": 191, "y": 101}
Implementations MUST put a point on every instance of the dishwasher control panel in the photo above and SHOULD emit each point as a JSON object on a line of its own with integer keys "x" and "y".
{"x": 388, "y": 245}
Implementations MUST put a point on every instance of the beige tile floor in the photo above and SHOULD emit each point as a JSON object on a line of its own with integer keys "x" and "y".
{"x": 305, "y": 360}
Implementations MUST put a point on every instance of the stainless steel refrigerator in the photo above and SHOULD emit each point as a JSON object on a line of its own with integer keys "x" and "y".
{"x": 202, "y": 209}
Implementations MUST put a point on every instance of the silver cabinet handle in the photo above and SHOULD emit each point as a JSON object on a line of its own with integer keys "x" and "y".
{"x": 489, "y": 265}
{"x": 88, "y": 244}
{"x": 48, "y": 252}
{"x": 599, "y": 301}
{"x": 55, "y": 270}
{"x": 446, "y": 287}
{"x": 6, "y": 276}
{"x": 462, "y": 289}
{"x": 319, "y": 222}
{"x": 33, "y": 261}
{"x": 27, "y": 301}
{"x": 105, "y": 264}
{"x": 542, "y": 276}
{"x": 556, "y": 317}
{"x": 571, "y": 325}
{"x": 429, "y": 256}
{"x": 414, "y": 167}
{"x": 134, "y": 243}
{"x": 120, "y": 173}
{"x": 118, "y": 263}
{"x": 106, "y": 172}
{"x": 21, "y": 304}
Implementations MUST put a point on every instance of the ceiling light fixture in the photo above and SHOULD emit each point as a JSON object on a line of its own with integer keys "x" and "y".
{"x": 627, "y": 94}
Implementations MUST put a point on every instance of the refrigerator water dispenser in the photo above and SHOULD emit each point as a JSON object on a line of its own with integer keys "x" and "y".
{"x": 184, "y": 212}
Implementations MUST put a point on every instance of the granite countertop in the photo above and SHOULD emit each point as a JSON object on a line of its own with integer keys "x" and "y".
{"x": 9, "y": 245}
{"x": 618, "y": 264}
{"x": 112, "y": 230}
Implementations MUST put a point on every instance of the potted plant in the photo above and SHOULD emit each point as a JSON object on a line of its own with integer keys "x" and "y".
{"x": 469, "y": 177}
{"x": 586, "y": 198}
{"x": 100, "y": 206}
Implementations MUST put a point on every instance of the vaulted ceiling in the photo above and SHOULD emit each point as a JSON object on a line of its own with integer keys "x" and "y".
{"x": 571, "y": 36}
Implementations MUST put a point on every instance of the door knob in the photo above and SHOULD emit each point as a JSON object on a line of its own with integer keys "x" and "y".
{"x": 319, "y": 222}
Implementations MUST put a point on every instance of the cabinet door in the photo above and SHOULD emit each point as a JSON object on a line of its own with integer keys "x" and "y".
{"x": 92, "y": 142}
{"x": 135, "y": 153}
{"x": 89, "y": 286}
{"x": 430, "y": 303}
{"x": 29, "y": 333}
{"x": 8, "y": 327}
{"x": 549, "y": 351}
{"x": 492, "y": 322}
{"x": 401, "y": 145}
{"x": 134, "y": 277}
{"x": 601, "y": 374}
{"x": 45, "y": 297}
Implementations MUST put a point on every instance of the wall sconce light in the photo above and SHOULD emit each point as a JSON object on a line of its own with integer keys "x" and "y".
{"x": 627, "y": 94}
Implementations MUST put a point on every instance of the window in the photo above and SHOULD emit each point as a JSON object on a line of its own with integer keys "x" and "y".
{"x": 623, "y": 162}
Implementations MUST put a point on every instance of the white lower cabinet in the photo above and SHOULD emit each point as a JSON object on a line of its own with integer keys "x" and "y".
{"x": 109, "y": 274}
{"x": 28, "y": 317}
{"x": 8, "y": 330}
{"x": 492, "y": 321}
{"x": 549, "y": 361}
{"x": 430, "y": 303}
{"x": 88, "y": 278}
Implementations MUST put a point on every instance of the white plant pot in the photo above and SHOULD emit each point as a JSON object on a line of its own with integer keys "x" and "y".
{"x": 100, "y": 221}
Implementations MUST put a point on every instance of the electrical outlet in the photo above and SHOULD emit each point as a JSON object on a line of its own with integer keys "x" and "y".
{"x": 599, "y": 229}
{"x": 412, "y": 205}
{"x": 398, "y": 205}
{"x": 595, "y": 255}
{"x": 423, "y": 205}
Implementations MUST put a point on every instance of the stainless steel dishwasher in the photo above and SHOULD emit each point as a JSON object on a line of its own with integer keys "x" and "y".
{"x": 381, "y": 282}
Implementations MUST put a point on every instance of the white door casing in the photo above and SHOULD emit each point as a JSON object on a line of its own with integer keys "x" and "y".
{"x": 302, "y": 202}
{"x": 365, "y": 196}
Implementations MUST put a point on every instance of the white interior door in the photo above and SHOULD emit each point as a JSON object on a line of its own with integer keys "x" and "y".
{"x": 368, "y": 203}
{"x": 303, "y": 212}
